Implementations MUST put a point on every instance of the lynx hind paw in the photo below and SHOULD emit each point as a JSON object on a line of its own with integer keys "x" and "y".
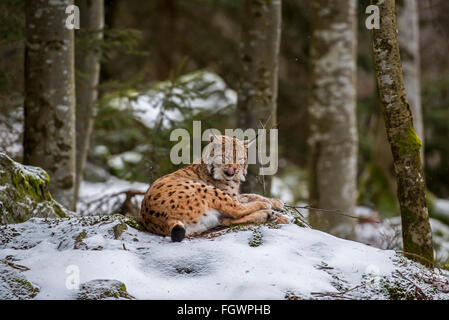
{"x": 281, "y": 219}
{"x": 271, "y": 216}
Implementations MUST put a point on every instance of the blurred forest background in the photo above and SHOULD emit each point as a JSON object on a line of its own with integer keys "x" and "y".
{"x": 165, "y": 63}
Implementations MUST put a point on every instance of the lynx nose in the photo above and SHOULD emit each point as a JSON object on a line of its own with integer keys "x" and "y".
{"x": 230, "y": 171}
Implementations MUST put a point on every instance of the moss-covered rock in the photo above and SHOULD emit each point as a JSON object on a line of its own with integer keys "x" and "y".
{"x": 103, "y": 290}
{"x": 24, "y": 193}
{"x": 13, "y": 285}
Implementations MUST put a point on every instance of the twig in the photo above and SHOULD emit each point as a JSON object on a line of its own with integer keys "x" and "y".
{"x": 338, "y": 294}
{"x": 15, "y": 266}
{"x": 301, "y": 218}
{"x": 431, "y": 263}
{"x": 419, "y": 293}
{"x": 328, "y": 211}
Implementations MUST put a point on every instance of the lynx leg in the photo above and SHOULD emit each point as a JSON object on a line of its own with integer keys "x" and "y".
{"x": 260, "y": 216}
{"x": 275, "y": 203}
{"x": 234, "y": 209}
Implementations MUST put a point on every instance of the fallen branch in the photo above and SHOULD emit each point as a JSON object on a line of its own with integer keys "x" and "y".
{"x": 338, "y": 294}
{"x": 431, "y": 263}
{"x": 301, "y": 218}
{"x": 329, "y": 211}
{"x": 15, "y": 266}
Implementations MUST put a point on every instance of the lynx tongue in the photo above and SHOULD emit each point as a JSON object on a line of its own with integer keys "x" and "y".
{"x": 230, "y": 171}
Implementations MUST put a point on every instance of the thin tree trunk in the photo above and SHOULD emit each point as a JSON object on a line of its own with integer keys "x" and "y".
{"x": 333, "y": 140}
{"x": 49, "y": 138}
{"x": 405, "y": 144}
{"x": 88, "y": 67}
{"x": 408, "y": 28}
{"x": 258, "y": 91}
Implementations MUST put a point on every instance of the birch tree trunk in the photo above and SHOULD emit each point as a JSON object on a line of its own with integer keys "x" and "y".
{"x": 49, "y": 138}
{"x": 88, "y": 67}
{"x": 405, "y": 144}
{"x": 258, "y": 91}
{"x": 333, "y": 140}
{"x": 408, "y": 28}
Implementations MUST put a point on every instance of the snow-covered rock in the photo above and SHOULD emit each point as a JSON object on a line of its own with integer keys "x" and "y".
{"x": 24, "y": 193}
{"x": 103, "y": 290}
{"x": 13, "y": 285}
{"x": 201, "y": 90}
{"x": 251, "y": 262}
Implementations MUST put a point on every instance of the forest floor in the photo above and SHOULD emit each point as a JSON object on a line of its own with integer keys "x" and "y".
{"x": 47, "y": 258}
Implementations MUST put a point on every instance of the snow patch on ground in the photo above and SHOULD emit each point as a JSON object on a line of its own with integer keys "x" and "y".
{"x": 287, "y": 260}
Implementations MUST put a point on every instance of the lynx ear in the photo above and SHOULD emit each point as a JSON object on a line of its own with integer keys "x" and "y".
{"x": 248, "y": 143}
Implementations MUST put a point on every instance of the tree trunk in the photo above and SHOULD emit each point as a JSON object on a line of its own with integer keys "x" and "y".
{"x": 88, "y": 67}
{"x": 258, "y": 90}
{"x": 333, "y": 140}
{"x": 405, "y": 144}
{"x": 49, "y": 138}
{"x": 408, "y": 28}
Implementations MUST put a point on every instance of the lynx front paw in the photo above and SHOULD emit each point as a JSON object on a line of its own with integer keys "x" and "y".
{"x": 263, "y": 205}
{"x": 277, "y": 204}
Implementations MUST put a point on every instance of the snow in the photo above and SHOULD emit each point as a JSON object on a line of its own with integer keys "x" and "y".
{"x": 281, "y": 190}
{"x": 225, "y": 267}
{"x": 149, "y": 106}
{"x": 442, "y": 207}
{"x": 284, "y": 260}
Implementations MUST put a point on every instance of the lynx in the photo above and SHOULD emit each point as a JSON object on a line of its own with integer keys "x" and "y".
{"x": 202, "y": 196}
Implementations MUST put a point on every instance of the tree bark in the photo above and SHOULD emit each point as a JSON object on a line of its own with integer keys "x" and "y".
{"x": 49, "y": 138}
{"x": 405, "y": 144}
{"x": 333, "y": 140}
{"x": 88, "y": 67}
{"x": 258, "y": 90}
{"x": 408, "y": 28}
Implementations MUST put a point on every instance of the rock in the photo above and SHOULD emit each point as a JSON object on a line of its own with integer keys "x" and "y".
{"x": 118, "y": 229}
{"x": 13, "y": 285}
{"x": 24, "y": 193}
{"x": 103, "y": 290}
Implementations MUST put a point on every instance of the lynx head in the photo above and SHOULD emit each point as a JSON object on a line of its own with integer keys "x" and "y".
{"x": 227, "y": 158}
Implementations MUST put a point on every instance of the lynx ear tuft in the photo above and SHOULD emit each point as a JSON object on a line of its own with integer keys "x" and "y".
{"x": 214, "y": 138}
{"x": 248, "y": 143}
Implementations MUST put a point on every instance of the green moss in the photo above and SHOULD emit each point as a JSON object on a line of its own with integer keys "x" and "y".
{"x": 134, "y": 223}
{"x": 25, "y": 193}
{"x": 256, "y": 238}
{"x": 81, "y": 236}
{"x": 13, "y": 285}
{"x": 118, "y": 229}
{"x": 79, "y": 244}
{"x": 103, "y": 289}
{"x": 411, "y": 142}
{"x": 397, "y": 290}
